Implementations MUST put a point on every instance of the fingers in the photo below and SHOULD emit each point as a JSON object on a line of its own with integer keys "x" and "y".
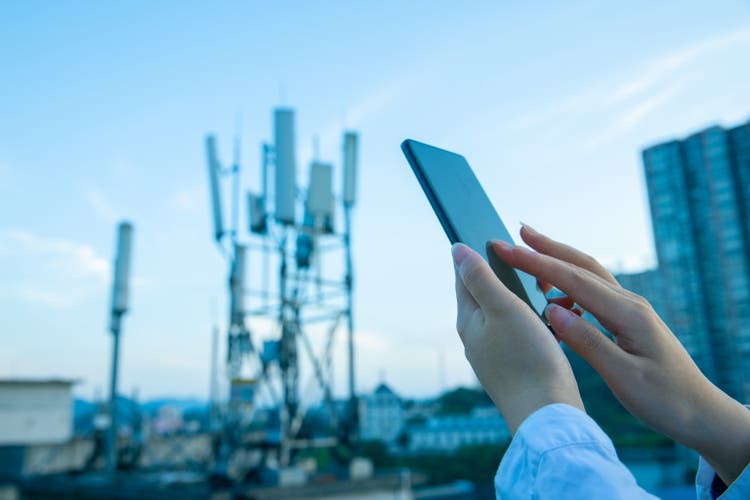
{"x": 478, "y": 278}
{"x": 586, "y": 339}
{"x": 555, "y": 296}
{"x": 605, "y": 300}
{"x": 548, "y": 246}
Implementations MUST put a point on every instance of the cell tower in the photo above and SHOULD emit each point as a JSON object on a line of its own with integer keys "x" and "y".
{"x": 294, "y": 231}
{"x": 120, "y": 296}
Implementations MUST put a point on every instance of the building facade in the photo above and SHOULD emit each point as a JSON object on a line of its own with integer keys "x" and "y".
{"x": 648, "y": 284}
{"x": 381, "y": 415}
{"x": 699, "y": 193}
{"x": 444, "y": 434}
{"x": 35, "y": 411}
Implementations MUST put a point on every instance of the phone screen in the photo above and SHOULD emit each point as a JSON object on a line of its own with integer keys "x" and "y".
{"x": 466, "y": 213}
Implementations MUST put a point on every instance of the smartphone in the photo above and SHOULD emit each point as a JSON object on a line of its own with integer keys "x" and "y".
{"x": 466, "y": 213}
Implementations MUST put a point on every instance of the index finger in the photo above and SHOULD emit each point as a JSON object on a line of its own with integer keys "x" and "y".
{"x": 605, "y": 300}
{"x": 546, "y": 245}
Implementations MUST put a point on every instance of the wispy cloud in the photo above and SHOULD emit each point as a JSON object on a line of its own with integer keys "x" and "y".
{"x": 634, "y": 97}
{"x": 83, "y": 258}
{"x": 630, "y": 117}
{"x": 376, "y": 100}
{"x": 186, "y": 200}
{"x": 383, "y": 96}
{"x": 36, "y": 294}
{"x": 663, "y": 68}
{"x": 100, "y": 203}
{"x": 52, "y": 272}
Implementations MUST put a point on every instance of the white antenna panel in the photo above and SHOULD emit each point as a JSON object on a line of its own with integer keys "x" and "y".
{"x": 350, "y": 167}
{"x": 256, "y": 213}
{"x": 120, "y": 287}
{"x": 285, "y": 165}
{"x": 320, "y": 192}
{"x": 213, "y": 181}
{"x": 237, "y": 282}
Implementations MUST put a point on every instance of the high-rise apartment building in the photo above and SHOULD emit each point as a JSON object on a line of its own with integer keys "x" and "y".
{"x": 648, "y": 284}
{"x": 699, "y": 193}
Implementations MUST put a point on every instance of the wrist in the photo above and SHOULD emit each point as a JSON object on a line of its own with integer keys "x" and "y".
{"x": 722, "y": 436}
{"x": 524, "y": 403}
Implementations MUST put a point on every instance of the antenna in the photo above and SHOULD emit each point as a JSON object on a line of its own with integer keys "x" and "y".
{"x": 237, "y": 285}
{"x": 256, "y": 214}
{"x": 320, "y": 196}
{"x": 350, "y": 168}
{"x": 119, "y": 307}
{"x": 285, "y": 165}
{"x": 214, "y": 168}
{"x": 120, "y": 286}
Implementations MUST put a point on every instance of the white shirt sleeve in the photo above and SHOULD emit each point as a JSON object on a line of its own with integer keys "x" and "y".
{"x": 739, "y": 489}
{"x": 559, "y": 452}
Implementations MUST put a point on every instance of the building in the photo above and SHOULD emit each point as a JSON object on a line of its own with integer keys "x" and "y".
{"x": 699, "y": 194}
{"x": 36, "y": 427}
{"x": 484, "y": 425}
{"x": 648, "y": 284}
{"x": 35, "y": 411}
{"x": 381, "y": 415}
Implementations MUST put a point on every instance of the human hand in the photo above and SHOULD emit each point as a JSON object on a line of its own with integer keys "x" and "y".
{"x": 646, "y": 367}
{"x": 517, "y": 361}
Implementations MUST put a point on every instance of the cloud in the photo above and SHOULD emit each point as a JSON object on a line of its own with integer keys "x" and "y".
{"x": 664, "y": 67}
{"x": 83, "y": 258}
{"x": 632, "y": 98}
{"x": 383, "y": 96}
{"x": 187, "y": 200}
{"x": 100, "y": 203}
{"x": 559, "y": 109}
{"x": 57, "y": 299}
{"x": 630, "y": 118}
{"x": 377, "y": 100}
{"x": 51, "y": 272}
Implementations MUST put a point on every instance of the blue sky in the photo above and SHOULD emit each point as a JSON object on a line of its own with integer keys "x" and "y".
{"x": 104, "y": 106}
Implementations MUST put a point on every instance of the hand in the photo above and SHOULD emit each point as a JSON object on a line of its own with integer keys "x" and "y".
{"x": 517, "y": 361}
{"x": 646, "y": 367}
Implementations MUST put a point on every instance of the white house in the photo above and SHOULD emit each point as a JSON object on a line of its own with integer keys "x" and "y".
{"x": 381, "y": 414}
{"x": 35, "y": 411}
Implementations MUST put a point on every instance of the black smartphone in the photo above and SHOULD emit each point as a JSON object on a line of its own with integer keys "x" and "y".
{"x": 466, "y": 213}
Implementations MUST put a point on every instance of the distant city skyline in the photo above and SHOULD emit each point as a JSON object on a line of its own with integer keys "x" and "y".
{"x": 105, "y": 108}
{"x": 700, "y": 206}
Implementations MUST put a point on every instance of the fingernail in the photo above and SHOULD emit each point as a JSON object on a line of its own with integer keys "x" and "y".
{"x": 459, "y": 252}
{"x": 501, "y": 245}
{"x": 530, "y": 229}
{"x": 559, "y": 315}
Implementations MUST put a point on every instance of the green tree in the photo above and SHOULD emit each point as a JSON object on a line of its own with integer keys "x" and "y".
{"x": 461, "y": 400}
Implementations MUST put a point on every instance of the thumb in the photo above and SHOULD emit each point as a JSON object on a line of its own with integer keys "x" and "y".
{"x": 587, "y": 340}
{"x": 477, "y": 276}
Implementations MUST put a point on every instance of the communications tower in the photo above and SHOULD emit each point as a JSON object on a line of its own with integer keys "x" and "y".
{"x": 290, "y": 272}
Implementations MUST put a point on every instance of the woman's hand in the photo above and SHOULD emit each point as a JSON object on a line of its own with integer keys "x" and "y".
{"x": 512, "y": 352}
{"x": 646, "y": 367}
